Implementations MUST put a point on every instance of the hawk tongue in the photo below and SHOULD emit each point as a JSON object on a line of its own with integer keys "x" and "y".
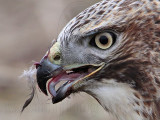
{"x": 52, "y": 84}
{"x": 61, "y": 77}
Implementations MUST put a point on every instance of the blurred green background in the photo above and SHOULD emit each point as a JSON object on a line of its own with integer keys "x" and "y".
{"x": 27, "y": 28}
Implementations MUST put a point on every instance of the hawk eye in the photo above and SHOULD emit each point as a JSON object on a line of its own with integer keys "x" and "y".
{"x": 103, "y": 40}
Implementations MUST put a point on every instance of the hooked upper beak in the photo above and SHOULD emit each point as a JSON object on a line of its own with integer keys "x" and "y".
{"x": 49, "y": 67}
{"x": 45, "y": 71}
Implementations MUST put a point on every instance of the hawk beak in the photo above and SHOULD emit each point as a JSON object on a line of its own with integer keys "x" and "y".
{"x": 45, "y": 71}
{"x": 48, "y": 67}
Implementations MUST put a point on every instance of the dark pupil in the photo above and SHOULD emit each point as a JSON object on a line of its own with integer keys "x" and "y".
{"x": 103, "y": 40}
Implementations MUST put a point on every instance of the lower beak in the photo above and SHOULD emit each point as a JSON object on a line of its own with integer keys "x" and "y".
{"x": 45, "y": 71}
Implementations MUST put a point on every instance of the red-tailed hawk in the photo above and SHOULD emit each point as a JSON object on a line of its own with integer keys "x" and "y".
{"x": 111, "y": 51}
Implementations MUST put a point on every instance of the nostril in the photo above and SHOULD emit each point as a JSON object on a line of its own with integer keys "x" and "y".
{"x": 37, "y": 64}
{"x": 57, "y": 57}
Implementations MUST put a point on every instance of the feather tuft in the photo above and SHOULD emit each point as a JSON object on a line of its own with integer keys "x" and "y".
{"x": 29, "y": 75}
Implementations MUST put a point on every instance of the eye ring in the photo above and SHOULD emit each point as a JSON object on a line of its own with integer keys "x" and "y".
{"x": 103, "y": 40}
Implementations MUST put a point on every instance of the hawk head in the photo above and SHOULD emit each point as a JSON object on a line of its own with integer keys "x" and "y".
{"x": 111, "y": 51}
